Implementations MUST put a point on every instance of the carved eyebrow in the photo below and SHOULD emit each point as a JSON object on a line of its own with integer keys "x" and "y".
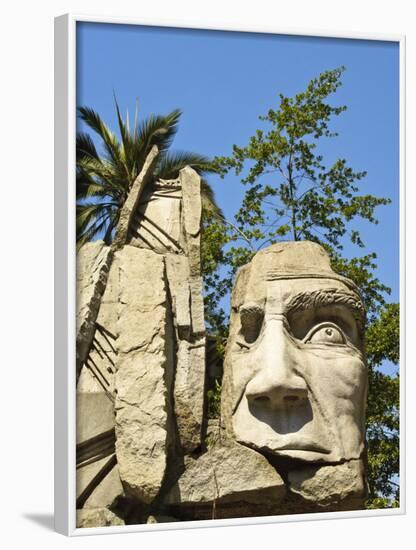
{"x": 327, "y": 297}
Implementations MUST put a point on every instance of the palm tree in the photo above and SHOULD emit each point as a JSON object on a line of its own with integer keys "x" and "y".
{"x": 103, "y": 181}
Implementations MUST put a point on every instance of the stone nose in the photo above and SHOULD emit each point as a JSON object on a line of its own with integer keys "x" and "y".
{"x": 276, "y": 383}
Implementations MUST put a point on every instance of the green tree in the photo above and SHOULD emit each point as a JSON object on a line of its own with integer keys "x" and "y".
{"x": 292, "y": 194}
{"x": 104, "y": 179}
{"x": 383, "y": 422}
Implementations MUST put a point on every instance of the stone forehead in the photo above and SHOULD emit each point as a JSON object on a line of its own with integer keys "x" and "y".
{"x": 291, "y": 258}
{"x": 285, "y": 261}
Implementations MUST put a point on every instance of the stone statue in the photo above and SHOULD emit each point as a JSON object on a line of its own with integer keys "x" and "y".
{"x": 293, "y": 394}
{"x": 291, "y": 434}
{"x": 295, "y": 377}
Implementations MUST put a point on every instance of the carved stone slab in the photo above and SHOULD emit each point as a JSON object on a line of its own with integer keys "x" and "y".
{"x": 144, "y": 377}
{"x": 228, "y": 481}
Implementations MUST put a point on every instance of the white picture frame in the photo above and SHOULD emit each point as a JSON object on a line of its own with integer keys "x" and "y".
{"x": 65, "y": 290}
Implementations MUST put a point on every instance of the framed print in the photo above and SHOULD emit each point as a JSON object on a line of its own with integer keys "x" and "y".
{"x": 229, "y": 276}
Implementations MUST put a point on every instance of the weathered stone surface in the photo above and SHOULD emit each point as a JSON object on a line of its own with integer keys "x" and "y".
{"x": 232, "y": 479}
{"x": 97, "y": 373}
{"x": 160, "y": 519}
{"x": 156, "y": 225}
{"x": 111, "y": 292}
{"x": 95, "y": 414}
{"x": 93, "y": 264}
{"x": 107, "y": 489}
{"x": 191, "y": 197}
{"x": 192, "y": 208}
{"x": 144, "y": 373}
{"x": 189, "y": 392}
{"x": 139, "y": 269}
{"x": 87, "y": 383}
{"x": 96, "y": 487}
{"x": 177, "y": 271}
{"x": 183, "y": 310}
{"x": 194, "y": 256}
{"x": 295, "y": 377}
{"x": 97, "y": 517}
{"x": 197, "y": 306}
{"x": 332, "y": 486}
{"x": 132, "y": 201}
{"x": 215, "y": 432}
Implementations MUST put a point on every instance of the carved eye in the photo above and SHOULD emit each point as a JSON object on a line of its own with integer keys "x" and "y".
{"x": 251, "y": 317}
{"x": 325, "y": 333}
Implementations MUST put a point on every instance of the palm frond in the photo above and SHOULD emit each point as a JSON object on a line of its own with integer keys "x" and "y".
{"x": 126, "y": 140}
{"x": 154, "y": 130}
{"x": 158, "y": 130}
{"x": 85, "y": 147}
{"x": 170, "y": 164}
{"x": 110, "y": 141}
{"x": 105, "y": 172}
{"x": 91, "y": 219}
{"x": 87, "y": 189}
{"x": 209, "y": 203}
{"x": 89, "y": 211}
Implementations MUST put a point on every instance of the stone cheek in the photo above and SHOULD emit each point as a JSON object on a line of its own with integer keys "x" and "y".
{"x": 144, "y": 377}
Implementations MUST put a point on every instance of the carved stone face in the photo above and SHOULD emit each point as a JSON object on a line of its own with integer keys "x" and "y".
{"x": 295, "y": 376}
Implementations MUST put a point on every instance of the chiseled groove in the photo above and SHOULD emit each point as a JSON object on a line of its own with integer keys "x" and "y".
{"x": 95, "y": 446}
{"x": 96, "y": 480}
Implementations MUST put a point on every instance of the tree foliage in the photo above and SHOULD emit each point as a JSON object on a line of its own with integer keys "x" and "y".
{"x": 293, "y": 194}
{"x": 383, "y": 421}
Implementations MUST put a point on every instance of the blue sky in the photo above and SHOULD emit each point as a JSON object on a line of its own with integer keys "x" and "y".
{"x": 223, "y": 81}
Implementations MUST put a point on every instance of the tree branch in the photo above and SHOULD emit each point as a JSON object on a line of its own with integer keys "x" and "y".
{"x": 241, "y": 233}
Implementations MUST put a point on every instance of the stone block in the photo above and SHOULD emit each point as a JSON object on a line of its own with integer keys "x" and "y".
{"x": 191, "y": 197}
{"x": 197, "y": 306}
{"x": 227, "y": 480}
{"x": 93, "y": 265}
{"x": 97, "y": 517}
{"x": 189, "y": 392}
{"x": 144, "y": 376}
{"x": 95, "y": 414}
